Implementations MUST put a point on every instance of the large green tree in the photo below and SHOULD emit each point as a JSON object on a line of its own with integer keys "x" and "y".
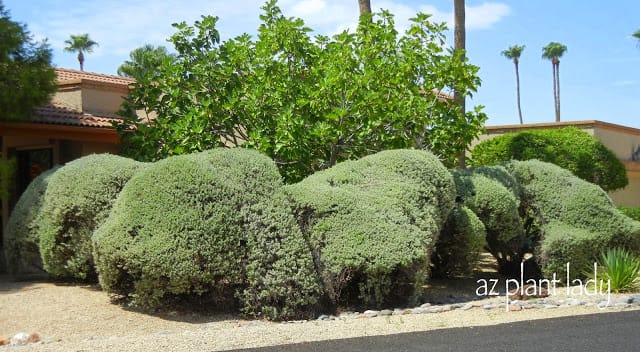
{"x": 569, "y": 147}
{"x": 144, "y": 61}
{"x": 513, "y": 53}
{"x": 81, "y": 44}
{"x": 26, "y": 76}
{"x": 553, "y": 52}
{"x": 306, "y": 102}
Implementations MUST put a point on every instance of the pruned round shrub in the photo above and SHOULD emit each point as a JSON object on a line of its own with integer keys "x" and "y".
{"x": 569, "y": 147}
{"x": 484, "y": 191}
{"x": 212, "y": 225}
{"x": 577, "y": 219}
{"x": 22, "y": 236}
{"x": 372, "y": 224}
{"x": 78, "y": 199}
{"x": 459, "y": 245}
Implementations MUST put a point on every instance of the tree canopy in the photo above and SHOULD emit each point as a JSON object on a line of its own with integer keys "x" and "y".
{"x": 81, "y": 44}
{"x": 27, "y": 79}
{"x": 308, "y": 102}
{"x": 144, "y": 61}
{"x": 569, "y": 147}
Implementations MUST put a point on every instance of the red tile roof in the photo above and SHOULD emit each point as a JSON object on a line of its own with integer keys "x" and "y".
{"x": 65, "y": 75}
{"x": 58, "y": 114}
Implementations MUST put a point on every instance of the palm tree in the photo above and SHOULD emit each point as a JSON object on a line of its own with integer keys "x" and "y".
{"x": 636, "y": 35}
{"x": 513, "y": 53}
{"x": 365, "y": 6}
{"x": 554, "y": 51}
{"x": 80, "y": 43}
{"x": 459, "y": 44}
{"x": 144, "y": 61}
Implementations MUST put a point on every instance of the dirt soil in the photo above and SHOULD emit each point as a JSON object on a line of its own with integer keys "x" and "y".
{"x": 73, "y": 317}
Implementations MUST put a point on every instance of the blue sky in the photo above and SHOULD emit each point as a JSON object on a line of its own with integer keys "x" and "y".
{"x": 599, "y": 74}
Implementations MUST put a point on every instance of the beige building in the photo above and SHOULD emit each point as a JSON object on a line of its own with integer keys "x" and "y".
{"x": 623, "y": 141}
{"x": 78, "y": 121}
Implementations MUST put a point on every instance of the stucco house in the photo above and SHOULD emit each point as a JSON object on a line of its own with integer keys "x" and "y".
{"x": 77, "y": 122}
{"x": 622, "y": 140}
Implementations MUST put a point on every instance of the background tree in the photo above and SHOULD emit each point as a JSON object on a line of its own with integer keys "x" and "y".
{"x": 459, "y": 40}
{"x": 365, "y": 6}
{"x": 553, "y": 52}
{"x": 513, "y": 53}
{"x": 81, "y": 44}
{"x": 27, "y": 79}
{"x": 306, "y": 102}
{"x": 144, "y": 61}
{"x": 570, "y": 148}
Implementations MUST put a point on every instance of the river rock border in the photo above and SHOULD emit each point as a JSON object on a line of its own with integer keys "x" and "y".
{"x": 619, "y": 302}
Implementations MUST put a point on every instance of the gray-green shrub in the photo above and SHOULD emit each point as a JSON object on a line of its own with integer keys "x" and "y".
{"x": 493, "y": 195}
{"x": 459, "y": 245}
{"x": 22, "y": 236}
{"x": 78, "y": 199}
{"x": 214, "y": 225}
{"x": 577, "y": 219}
{"x": 372, "y": 224}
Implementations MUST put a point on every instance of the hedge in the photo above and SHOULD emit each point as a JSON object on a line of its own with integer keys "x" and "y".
{"x": 569, "y": 147}
{"x": 493, "y": 195}
{"x": 459, "y": 245}
{"x": 78, "y": 199}
{"x": 577, "y": 219}
{"x": 372, "y": 224}
{"x": 213, "y": 225}
{"x": 22, "y": 237}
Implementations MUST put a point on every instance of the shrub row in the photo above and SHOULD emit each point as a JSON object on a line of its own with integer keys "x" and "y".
{"x": 220, "y": 226}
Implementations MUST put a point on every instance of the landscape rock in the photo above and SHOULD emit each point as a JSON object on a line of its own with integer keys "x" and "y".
{"x": 371, "y": 313}
{"x": 386, "y": 312}
{"x": 467, "y": 306}
{"x": 515, "y": 308}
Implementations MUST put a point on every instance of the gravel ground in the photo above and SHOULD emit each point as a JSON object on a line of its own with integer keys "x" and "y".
{"x": 82, "y": 318}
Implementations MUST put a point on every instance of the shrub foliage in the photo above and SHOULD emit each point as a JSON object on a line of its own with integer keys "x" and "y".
{"x": 215, "y": 225}
{"x": 569, "y": 147}
{"x": 493, "y": 195}
{"x": 22, "y": 237}
{"x": 78, "y": 199}
{"x": 372, "y": 224}
{"x": 576, "y": 219}
{"x": 459, "y": 245}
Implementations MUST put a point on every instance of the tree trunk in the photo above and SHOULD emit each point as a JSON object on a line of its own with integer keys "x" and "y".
{"x": 81, "y": 60}
{"x": 365, "y": 6}
{"x": 555, "y": 92}
{"x": 558, "y": 91}
{"x": 518, "y": 90}
{"x": 459, "y": 43}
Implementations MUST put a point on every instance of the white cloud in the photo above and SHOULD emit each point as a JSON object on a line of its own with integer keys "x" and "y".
{"x": 485, "y": 15}
{"x": 120, "y": 26}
